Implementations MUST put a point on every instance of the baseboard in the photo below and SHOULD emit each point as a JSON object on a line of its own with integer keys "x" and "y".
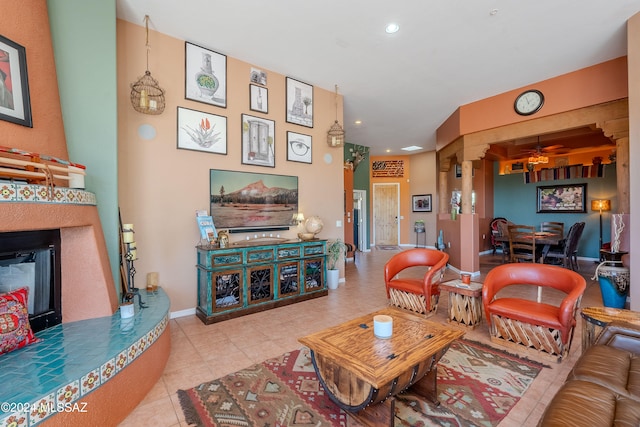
{"x": 182, "y": 313}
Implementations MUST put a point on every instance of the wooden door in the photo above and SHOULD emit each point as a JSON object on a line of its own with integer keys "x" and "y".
{"x": 385, "y": 213}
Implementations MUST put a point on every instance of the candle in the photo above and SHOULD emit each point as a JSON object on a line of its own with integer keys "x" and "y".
{"x": 382, "y": 326}
{"x": 127, "y": 233}
{"x": 144, "y": 100}
{"x": 152, "y": 281}
{"x": 153, "y": 104}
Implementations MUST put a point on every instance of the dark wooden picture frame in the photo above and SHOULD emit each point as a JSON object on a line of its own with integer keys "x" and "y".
{"x": 566, "y": 198}
{"x": 201, "y": 131}
{"x": 299, "y": 147}
{"x": 258, "y": 98}
{"x": 205, "y": 74}
{"x": 421, "y": 202}
{"x": 15, "y": 102}
{"x": 258, "y": 141}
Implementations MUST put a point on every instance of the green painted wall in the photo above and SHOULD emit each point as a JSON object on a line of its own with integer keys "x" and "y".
{"x": 517, "y": 201}
{"x": 362, "y": 181}
{"x": 84, "y": 44}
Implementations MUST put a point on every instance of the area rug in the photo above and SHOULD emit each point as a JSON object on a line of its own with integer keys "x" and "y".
{"x": 477, "y": 386}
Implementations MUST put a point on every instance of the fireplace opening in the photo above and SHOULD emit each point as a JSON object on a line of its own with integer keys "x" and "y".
{"x": 32, "y": 259}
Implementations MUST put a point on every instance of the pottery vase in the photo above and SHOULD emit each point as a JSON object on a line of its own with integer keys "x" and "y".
{"x": 614, "y": 283}
{"x": 205, "y": 79}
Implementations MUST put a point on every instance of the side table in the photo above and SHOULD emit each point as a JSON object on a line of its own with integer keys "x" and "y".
{"x": 465, "y": 302}
{"x": 594, "y": 319}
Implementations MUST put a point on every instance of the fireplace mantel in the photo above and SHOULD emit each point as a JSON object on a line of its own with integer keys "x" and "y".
{"x": 88, "y": 287}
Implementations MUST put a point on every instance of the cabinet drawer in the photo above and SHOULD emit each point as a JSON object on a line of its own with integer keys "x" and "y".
{"x": 289, "y": 252}
{"x": 259, "y": 255}
{"x": 314, "y": 250}
{"x": 223, "y": 259}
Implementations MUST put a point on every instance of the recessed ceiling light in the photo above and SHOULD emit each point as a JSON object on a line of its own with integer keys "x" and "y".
{"x": 411, "y": 148}
{"x": 392, "y": 28}
{"x": 493, "y": 12}
{"x": 358, "y": 122}
{"x": 388, "y": 150}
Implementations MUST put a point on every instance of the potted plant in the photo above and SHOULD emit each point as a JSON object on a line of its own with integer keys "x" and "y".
{"x": 335, "y": 250}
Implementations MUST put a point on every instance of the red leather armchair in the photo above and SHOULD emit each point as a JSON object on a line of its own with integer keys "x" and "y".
{"x": 418, "y": 294}
{"x": 517, "y": 320}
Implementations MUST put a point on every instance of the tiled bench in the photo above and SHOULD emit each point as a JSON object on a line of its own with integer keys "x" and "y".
{"x": 64, "y": 374}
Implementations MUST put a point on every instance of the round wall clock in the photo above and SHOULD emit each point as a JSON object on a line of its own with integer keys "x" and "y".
{"x": 528, "y": 102}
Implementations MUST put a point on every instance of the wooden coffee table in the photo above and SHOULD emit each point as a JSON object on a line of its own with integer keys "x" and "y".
{"x": 362, "y": 373}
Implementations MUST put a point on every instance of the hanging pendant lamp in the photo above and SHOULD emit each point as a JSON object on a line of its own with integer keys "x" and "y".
{"x": 335, "y": 136}
{"x": 146, "y": 94}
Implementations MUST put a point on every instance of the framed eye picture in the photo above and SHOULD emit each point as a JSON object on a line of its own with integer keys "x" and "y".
{"x": 15, "y": 104}
{"x": 421, "y": 203}
{"x": 299, "y": 103}
{"x": 258, "y": 99}
{"x": 298, "y": 147}
{"x": 202, "y": 131}
{"x": 205, "y": 75}
{"x": 258, "y": 141}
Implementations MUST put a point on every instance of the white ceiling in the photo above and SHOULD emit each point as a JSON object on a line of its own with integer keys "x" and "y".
{"x": 402, "y": 86}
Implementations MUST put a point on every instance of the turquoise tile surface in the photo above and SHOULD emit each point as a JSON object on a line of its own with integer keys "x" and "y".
{"x": 74, "y": 359}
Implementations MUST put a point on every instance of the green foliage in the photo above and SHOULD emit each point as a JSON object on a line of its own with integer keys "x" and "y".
{"x": 335, "y": 249}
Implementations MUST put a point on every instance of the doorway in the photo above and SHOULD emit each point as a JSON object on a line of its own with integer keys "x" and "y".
{"x": 360, "y": 225}
{"x": 386, "y": 205}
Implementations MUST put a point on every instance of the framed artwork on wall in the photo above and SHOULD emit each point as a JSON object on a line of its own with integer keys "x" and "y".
{"x": 568, "y": 198}
{"x": 15, "y": 103}
{"x": 299, "y": 103}
{"x": 421, "y": 203}
{"x": 205, "y": 75}
{"x": 258, "y": 98}
{"x": 202, "y": 131}
{"x": 258, "y": 141}
{"x": 298, "y": 147}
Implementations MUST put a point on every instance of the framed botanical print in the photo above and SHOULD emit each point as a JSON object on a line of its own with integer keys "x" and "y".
{"x": 298, "y": 147}
{"x": 15, "y": 104}
{"x": 258, "y": 141}
{"x": 202, "y": 131}
{"x": 205, "y": 75}
{"x": 299, "y": 103}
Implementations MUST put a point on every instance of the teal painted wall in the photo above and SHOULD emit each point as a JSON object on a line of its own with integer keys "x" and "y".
{"x": 516, "y": 201}
{"x": 84, "y": 44}
{"x": 362, "y": 181}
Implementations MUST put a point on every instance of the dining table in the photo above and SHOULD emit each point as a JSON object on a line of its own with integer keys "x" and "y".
{"x": 545, "y": 239}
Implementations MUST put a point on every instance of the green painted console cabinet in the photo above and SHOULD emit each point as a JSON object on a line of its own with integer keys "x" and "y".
{"x": 252, "y": 277}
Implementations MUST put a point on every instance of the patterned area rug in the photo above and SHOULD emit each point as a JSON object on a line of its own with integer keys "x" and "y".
{"x": 477, "y": 386}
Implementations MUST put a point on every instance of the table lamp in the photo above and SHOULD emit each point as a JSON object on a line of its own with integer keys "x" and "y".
{"x": 601, "y": 205}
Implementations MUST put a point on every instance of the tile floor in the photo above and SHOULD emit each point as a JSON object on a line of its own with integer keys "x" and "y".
{"x": 202, "y": 353}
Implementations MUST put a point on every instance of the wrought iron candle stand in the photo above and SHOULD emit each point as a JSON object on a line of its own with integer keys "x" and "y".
{"x": 132, "y": 291}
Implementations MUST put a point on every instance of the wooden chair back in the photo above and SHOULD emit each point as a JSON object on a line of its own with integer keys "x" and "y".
{"x": 553, "y": 227}
{"x": 522, "y": 243}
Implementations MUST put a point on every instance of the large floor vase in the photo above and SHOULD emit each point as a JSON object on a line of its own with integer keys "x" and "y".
{"x": 614, "y": 283}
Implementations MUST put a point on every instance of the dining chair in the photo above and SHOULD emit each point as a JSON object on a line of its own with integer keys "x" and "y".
{"x": 522, "y": 243}
{"x": 553, "y": 227}
{"x": 568, "y": 253}
{"x": 495, "y": 231}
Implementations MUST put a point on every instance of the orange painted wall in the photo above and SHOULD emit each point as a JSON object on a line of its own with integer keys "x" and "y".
{"x": 33, "y": 33}
{"x": 405, "y": 197}
{"x": 589, "y": 86}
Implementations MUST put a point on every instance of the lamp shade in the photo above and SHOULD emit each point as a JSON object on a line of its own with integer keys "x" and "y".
{"x": 601, "y": 205}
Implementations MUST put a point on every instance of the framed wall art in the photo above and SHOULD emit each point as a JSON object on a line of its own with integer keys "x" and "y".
{"x": 205, "y": 75}
{"x": 298, "y": 147}
{"x": 258, "y": 98}
{"x": 202, "y": 131}
{"x": 569, "y": 198}
{"x": 258, "y": 141}
{"x": 15, "y": 104}
{"x": 258, "y": 76}
{"x": 299, "y": 103}
{"x": 421, "y": 203}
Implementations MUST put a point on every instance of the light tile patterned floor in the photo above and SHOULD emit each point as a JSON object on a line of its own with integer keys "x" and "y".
{"x": 204, "y": 352}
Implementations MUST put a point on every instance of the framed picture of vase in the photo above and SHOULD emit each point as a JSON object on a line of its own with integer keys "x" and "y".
{"x": 15, "y": 104}
{"x": 258, "y": 99}
{"x": 205, "y": 75}
{"x": 258, "y": 141}
{"x": 298, "y": 147}
{"x": 299, "y": 103}
{"x": 202, "y": 131}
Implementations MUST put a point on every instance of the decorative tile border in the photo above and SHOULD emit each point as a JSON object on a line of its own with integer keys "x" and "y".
{"x": 69, "y": 396}
{"x": 21, "y": 192}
